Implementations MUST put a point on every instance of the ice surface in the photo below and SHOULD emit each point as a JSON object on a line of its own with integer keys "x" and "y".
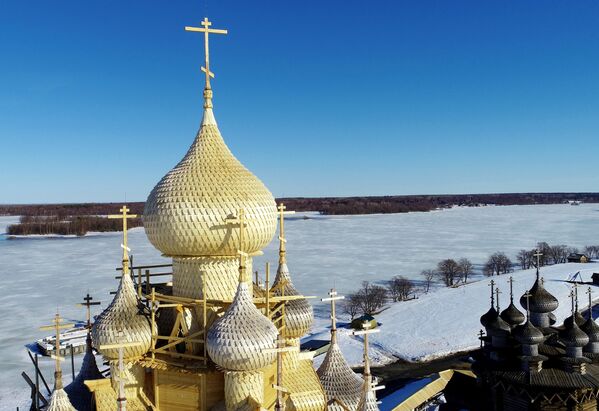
{"x": 40, "y": 275}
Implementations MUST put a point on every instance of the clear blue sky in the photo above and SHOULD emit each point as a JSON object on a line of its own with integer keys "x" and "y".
{"x": 99, "y": 99}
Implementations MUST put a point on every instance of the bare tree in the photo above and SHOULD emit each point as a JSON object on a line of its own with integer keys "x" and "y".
{"x": 372, "y": 297}
{"x": 465, "y": 268}
{"x": 545, "y": 251}
{"x": 592, "y": 251}
{"x": 525, "y": 259}
{"x": 448, "y": 270}
{"x": 558, "y": 253}
{"x": 400, "y": 288}
{"x": 428, "y": 275}
{"x": 498, "y": 263}
{"x": 351, "y": 305}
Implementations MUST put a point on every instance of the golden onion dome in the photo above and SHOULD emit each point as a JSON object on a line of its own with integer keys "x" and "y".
{"x": 122, "y": 322}
{"x": 299, "y": 315}
{"x": 243, "y": 339}
{"x": 186, "y": 212}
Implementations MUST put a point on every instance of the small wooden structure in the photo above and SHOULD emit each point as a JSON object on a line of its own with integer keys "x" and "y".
{"x": 578, "y": 258}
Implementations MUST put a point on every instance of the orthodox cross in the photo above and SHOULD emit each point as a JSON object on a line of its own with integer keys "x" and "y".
{"x": 571, "y": 295}
{"x": 282, "y": 240}
{"x": 206, "y": 30}
{"x": 278, "y": 386}
{"x": 365, "y": 331}
{"x": 481, "y": 335}
{"x": 121, "y": 401}
{"x": 332, "y": 298}
{"x": 57, "y": 325}
{"x": 575, "y": 297}
{"x": 497, "y": 292}
{"x": 87, "y": 302}
{"x": 124, "y": 216}
{"x": 527, "y": 295}
{"x": 538, "y": 254}
{"x": 511, "y": 281}
{"x": 590, "y": 304}
{"x": 492, "y": 285}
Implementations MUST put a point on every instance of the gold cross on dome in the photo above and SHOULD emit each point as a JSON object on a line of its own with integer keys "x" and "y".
{"x": 206, "y": 30}
{"x": 87, "y": 302}
{"x": 124, "y": 215}
{"x": 282, "y": 250}
{"x": 57, "y": 325}
{"x": 332, "y": 298}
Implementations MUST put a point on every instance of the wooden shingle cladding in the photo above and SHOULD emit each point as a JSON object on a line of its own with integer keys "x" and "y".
{"x": 187, "y": 391}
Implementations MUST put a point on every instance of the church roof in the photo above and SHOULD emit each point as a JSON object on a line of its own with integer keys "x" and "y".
{"x": 60, "y": 401}
{"x": 79, "y": 394}
{"x": 123, "y": 322}
{"x": 541, "y": 300}
{"x": 527, "y": 333}
{"x": 186, "y": 212}
{"x": 238, "y": 340}
{"x": 298, "y": 313}
{"x": 512, "y": 315}
{"x": 573, "y": 336}
{"x": 339, "y": 380}
{"x": 487, "y": 318}
{"x": 591, "y": 329}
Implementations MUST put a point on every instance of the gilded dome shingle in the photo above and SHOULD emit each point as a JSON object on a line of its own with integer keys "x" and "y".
{"x": 186, "y": 212}
{"x": 237, "y": 340}
{"x": 298, "y": 313}
{"x": 123, "y": 321}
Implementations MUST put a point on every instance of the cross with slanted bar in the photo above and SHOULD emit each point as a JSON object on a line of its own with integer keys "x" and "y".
{"x": 57, "y": 325}
{"x": 332, "y": 298}
{"x": 497, "y": 292}
{"x": 121, "y": 400}
{"x": 282, "y": 240}
{"x": 87, "y": 302}
{"x": 206, "y": 30}
{"x": 538, "y": 254}
{"x": 124, "y": 215}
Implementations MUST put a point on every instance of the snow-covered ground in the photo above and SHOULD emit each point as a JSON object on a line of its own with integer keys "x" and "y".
{"x": 37, "y": 276}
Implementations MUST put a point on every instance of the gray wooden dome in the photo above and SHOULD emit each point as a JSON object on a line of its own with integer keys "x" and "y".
{"x": 541, "y": 300}
{"x": 338, "y": 379}
{"x": 528, "y": 334}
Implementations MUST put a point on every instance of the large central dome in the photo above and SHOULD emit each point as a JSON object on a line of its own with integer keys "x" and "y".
{"x": 186, "y": 213}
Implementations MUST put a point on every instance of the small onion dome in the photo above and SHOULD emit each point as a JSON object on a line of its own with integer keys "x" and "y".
{"x": 60, "y": 401}
{"x": 512, "y": 315}
{"x": 573, "y": 336}
{"x": 541, "y": 300}
{"x": 186, "y": 212}
{"x": 577, "y": 317}
{"x": 368, "y": 399}
{"x": 591, "y": 329}
{"x": 79, "y": 394}
{"x": 237, "y": 341}
{"x": 339, "y": 380}
{"x": 123, "y": 322}
{"x": 487, "y": 318}
{"x": 528, "y": 334}
{"x": 499, "y": 328}
{"x": 298, "y": 313}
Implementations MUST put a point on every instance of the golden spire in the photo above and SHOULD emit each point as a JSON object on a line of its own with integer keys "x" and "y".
{"x": 206, "y": 30}
{"x": 242, "y": 254}
{"x": 56, "y": 326}
{"x": 332, "y": 298}
{"x": 124, "y": 210}
{"x": 282, "y": 239}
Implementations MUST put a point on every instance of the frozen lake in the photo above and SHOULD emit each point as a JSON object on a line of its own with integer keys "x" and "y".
{"x": 40, "y": 275}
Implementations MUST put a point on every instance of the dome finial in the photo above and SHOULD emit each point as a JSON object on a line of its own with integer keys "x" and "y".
{"x": 492, "y": 285}
{"x": 538, "y": 254}
{"x": 497, "y": 292}
{"x": 589, "y": 292}
{"x": 527, "y": 296}
{"x": 56, "y": 326}
{"x": 243, "y": 277}
{"x": 206, "y": 30}
{"x": 124, "y": 215}
{"x": 332, "y": 298}
{"x": 511, "y": 281}
{"x": 282, "y": 240}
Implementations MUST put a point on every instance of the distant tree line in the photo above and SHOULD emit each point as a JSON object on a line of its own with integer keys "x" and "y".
{"x": 78, "y": 225}
{"x": 330, "y": 205}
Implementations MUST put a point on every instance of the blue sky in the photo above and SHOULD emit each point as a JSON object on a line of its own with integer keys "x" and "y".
{"x": 99, "y": 99}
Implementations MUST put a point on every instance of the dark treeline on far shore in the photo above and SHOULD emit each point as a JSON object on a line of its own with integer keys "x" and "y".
{"x": 80, "y": 218}
{"x": 329, "y": 205}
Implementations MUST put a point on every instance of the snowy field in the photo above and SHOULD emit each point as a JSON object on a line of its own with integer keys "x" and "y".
{"x": 39, "y": 275}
